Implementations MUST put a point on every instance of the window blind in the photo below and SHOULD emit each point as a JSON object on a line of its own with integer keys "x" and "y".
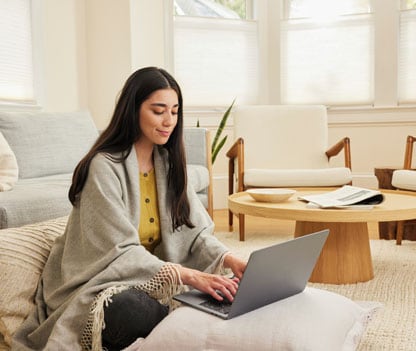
{"x": 16, "y": 66}
{"x": 407, "y": 58}
{"x": 216, "y": 60}
{"x": 329, "y": 62}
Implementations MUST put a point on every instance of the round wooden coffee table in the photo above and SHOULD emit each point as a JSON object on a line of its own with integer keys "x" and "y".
{"x": 346, "y": 255}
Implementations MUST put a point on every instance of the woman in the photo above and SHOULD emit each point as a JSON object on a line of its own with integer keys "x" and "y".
{"x": 137, "y": 233}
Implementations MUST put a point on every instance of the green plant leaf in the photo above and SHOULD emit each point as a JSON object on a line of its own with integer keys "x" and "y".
{"x": 218, "y": 148}
{"x": 220, "y": 129}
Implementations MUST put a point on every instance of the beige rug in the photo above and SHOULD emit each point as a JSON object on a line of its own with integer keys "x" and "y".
{"x": 394, "y": 326}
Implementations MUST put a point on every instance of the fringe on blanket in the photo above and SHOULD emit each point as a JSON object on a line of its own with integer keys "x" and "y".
{"x": 163, "y": 286}
{"x": 220, "y": 269}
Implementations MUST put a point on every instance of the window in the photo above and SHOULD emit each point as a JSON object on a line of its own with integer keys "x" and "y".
{"x": 407, "y": 53}
{"x": 327, "y": 53}
{"x": 211, "y": 8}
{"x": 16, "y": 60}
{"x": 215, "y": 59}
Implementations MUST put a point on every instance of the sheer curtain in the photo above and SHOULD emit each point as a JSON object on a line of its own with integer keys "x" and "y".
{"x": 16, "y": 59}
{"x": 407, "y": 58}
{"x": 216, "y": 60}
{"x": 328, "y": 61}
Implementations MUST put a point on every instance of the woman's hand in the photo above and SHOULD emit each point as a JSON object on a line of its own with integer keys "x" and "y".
{"x": 210, "y": 283}
{"x": 237, "y": 265}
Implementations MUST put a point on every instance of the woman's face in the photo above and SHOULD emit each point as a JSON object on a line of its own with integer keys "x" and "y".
{"x": 158, "y": 116}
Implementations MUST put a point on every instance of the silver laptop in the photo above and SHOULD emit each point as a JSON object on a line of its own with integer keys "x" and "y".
{"x": 272, "y": 274}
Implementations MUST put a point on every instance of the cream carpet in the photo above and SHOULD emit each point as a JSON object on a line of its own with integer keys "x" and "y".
{"x": 394, "y": 285}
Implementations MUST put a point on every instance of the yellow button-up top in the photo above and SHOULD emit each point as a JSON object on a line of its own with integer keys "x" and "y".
{"x": 149, "y": 227}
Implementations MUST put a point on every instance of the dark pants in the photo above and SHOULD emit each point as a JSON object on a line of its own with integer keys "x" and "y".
{"x": 131, "y": 315}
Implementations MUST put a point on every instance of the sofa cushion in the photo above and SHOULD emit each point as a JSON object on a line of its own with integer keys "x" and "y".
{"x": 8, "y": 165}
{"x": 297, "y": 177}
{"x": 312, "y": 320}
{"x": 198, "y": 176}
{"x": 47, "y": 143}
{"x": 35, "y": 200}
{"x": 23, "y": 253}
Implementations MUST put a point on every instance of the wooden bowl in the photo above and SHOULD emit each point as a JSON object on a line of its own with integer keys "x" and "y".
{"x": 271, "y": 195}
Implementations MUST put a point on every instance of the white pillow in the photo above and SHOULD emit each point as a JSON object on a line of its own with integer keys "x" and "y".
{"x": 312, "y": 320}
{"x": 8, "y": 166}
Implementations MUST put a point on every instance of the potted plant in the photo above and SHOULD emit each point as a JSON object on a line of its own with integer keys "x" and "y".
{"x": 217, "y": 144}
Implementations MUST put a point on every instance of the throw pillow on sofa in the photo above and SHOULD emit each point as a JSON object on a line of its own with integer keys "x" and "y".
{"x": 23, "y": 253}
{"x": 8, "y": 166}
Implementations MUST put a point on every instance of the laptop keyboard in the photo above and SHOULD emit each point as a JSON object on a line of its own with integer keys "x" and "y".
{"x": 219, "y": 306}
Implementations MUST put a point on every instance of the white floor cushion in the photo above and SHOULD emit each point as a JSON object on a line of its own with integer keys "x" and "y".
{"x": 315, "y": 320}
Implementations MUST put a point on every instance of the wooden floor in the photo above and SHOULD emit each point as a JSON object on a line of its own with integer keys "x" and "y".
{"x": 267, "y": 225}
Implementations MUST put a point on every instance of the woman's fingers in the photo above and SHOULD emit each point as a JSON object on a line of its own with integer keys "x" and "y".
{"x": 225, "y": 288}
{"x": 216, "y": 285}
{"x": 237, "y": 265}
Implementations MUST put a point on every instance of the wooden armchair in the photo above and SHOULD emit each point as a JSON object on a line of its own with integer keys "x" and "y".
{"x": 405, "y": 179}
{"x": 283, "y": 146}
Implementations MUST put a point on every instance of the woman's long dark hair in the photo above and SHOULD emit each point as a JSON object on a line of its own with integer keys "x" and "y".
{"x": 124, "y": 130}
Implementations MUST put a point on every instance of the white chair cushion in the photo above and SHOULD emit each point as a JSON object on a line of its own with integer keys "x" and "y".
{"x": 297, "y": 177}
{"x": 404, "y": 179}
{"x": 287, "y": 136}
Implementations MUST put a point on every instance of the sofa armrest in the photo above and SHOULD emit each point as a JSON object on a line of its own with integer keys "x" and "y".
{"x": 198, "y": 152}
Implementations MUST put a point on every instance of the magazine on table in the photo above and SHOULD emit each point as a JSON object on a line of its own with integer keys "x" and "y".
{"x": 345, "y": 197}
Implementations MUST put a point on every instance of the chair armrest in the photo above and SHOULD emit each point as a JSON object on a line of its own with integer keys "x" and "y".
{"x": 233, "y": 151}
{"x": 343, "y": 144}
{"x": 236, "y": 151}
{"x": 409, "y": 152}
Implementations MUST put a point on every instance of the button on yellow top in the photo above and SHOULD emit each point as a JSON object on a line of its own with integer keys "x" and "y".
{"x": 149, "y": 227}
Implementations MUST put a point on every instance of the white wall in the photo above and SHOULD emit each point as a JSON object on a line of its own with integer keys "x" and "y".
{"x": 62, "y": 50}
{"x": 91, "y": 47}
{"x": 122, "y": 36}
{"x": 108, "y": 47}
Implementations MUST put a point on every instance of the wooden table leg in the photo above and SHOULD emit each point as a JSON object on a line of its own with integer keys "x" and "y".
{"x": 241, "y": 226}
{"x": 346, "y": 255}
